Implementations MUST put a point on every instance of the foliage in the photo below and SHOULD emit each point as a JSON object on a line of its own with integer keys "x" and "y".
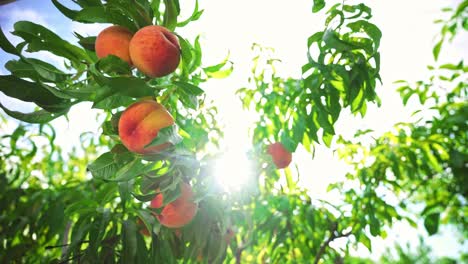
{"x": 405, "y": 254}
{"x": 423, "y": 162}
{"x": 343, "y": 73}
{"x": 90, "y": 205}
{"x": 100, "y": 214}
{"x": 42, "y": 186}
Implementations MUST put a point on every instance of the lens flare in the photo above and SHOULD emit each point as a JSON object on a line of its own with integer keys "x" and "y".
{"x": 232, "y": 170}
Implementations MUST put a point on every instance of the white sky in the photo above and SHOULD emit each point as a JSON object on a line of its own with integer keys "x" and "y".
{"x": 226, "y": 25}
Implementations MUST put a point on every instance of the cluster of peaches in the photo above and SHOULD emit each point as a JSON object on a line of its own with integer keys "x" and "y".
{"x": 155, "y": 51}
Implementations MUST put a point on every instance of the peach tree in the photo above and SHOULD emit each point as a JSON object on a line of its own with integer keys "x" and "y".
{"x": 144, "y": 192}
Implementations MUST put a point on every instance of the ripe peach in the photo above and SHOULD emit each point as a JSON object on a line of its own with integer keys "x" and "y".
{"x": 155, "y": 51}
{"x": 179, "y": 212}
{"x": 157, "y": 201}
{"x": 140, "y": 123}
{"x": 281, "y": 156}
{"x": 114, "y": 40}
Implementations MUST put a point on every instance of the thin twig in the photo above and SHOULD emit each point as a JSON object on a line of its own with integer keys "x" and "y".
{"x": 238, "y": 255}
{"x": 64, "y": 245}
{"x": 240, "y": 250}
{"x": 72, "y": 258}
{"x": 334, "y": 235}
{"x": 65, "y": 239}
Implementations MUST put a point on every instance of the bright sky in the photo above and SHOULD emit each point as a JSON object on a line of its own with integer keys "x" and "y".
{"x": 233, "y": 26}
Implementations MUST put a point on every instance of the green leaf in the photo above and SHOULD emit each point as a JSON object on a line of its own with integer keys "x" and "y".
{"x": 40, "y": 38}
{"x": 299, "y": 128}
{"x": 104, "y": 166}
{"x": 332, "y": 40}
{"x": 36, "y": 70}
{"x": 88, "y": 3}
{"x": 145, "y": 197}
{"x": 216, "y": 71}
{"x": 80, "y": 229}
{"x": 171, "y": 194}
{"x": 131, "y": 170}
{"x": 365, "y": 241}
{"x": 32, "y": 92}
{"x": 81, "y": 206}
{"x": 374, "y": 224}
{"x": 371, "y": 30}
{"x": 436, "y": 49}
{"x": 86, "y": 42}
{"x": 327, "y": 139}
{"x": 194, "y": 17}
{"x": 132, "y": 10}
{"x": 171, "y": 13}
{"x": 125, "y": 194}
{"x": 288, "y": 143}
{"x": 37, "y": 117}
{"x": 316, "y": 37}
{"x": 112, "y": 101}
{"x": 221, "y": 73}
{"x": 130, "y": 86}
{"x": 324, "y": 122}
{"x": 106, "y": 194}
{"x": 98, "y": 230}
{"x": 166, "y": 135}
{"x": 186, "y": 52}
{"x": 105, "y": 14}
{"x": 189, "y": 88}
{"x": 431, "y": 223}
{"x": 64, "y": 10}
{"x": 189, "y": 101}
{"x": 357, "y": 100}
{"x": 6, "y": 46}
{"x": 148, "y": 220}
{"x": 113, "y": 64}
{"x": 21, "y": 69}
{"x": 129, "y": 241}
{"x": 318, "y": 5}
{"x": 197, "y": 55}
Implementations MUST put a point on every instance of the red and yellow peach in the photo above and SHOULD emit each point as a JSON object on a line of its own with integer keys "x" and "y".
{"x": 155, "y": 51}
{"x": 179, "y": 212}
{"x": 140, "y": 123}
{"x": 114, "y": 40}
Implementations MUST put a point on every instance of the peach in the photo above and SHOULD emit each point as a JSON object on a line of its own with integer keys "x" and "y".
{"x": 155, "y": 51}
{"x": 157, "y": 201}
{"x": 114, "y": 40}
{"x": 281, "y": 156}
{"x": 140, "y": 123}
{"x": 179, "y": 212}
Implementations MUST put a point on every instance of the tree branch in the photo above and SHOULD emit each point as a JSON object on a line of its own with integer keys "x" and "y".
{"x": 65, "y": 239}
{"x": 334, "y": 235}
{"x": 289, "y": 226}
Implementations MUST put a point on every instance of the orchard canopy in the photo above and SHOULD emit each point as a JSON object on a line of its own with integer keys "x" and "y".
{"x": 150, "y": 185}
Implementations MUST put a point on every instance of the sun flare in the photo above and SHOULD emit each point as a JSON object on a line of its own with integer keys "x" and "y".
{"x": 233, "y": 170}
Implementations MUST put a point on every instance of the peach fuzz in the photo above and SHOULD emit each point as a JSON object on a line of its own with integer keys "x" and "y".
{"x": 114, "y": 40}
{"x": 140, "y": 123}
{"x": 155, "y": 51}
{"x": 179, "y": 212}
{"x": 281, "y": 156}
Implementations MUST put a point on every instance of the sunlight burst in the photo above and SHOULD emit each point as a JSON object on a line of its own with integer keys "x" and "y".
{"x": 233, "y": 170}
